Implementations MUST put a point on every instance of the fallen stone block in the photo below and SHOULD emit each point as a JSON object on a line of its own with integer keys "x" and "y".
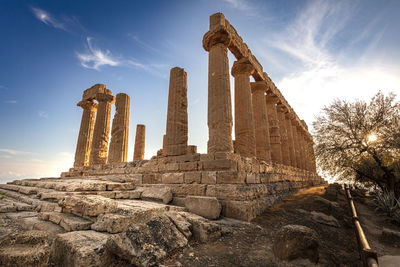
{"x": 324, "y": 219}
{"x": 208, "y": 207}
{"x": 183, "y": 224}
{"x": 391, "y": 237}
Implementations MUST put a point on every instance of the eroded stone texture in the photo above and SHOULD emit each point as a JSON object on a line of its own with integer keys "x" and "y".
{"x": 288, "y": 118}
{"x": 261, "y": 126}
{"x": 274, "y": 133}
{"x": 138, "y": 153}
{"x": 284, "y": 135}
{"x": 177, "y": 118}
{"x": 219, "y": 94}
{"x": 300, "y": 139}
{"x": 120, "y": 130}
{"x": 98, "y": 153}
{"x": 85, "y": 133}
{"x": 244, "y": 123}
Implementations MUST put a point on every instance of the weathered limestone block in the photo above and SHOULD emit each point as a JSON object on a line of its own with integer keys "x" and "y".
{"x": 208, "y": 207}
{"x": 219, "y": 94}
{"x": 284, "y": 135}
{"x": 274, "y": 133}
{"x": 261, "y": 125}
{"x": 88, "y": 206}
{"x": 98, "y": 153}
{"x": 118, "y": 151}
{"x": 148, "y": 243}
{"x": 83, "y": 146}
{"x": 138, "y": 153}
{"x": 177, "y": 118}
{"x": 172, "y": 178}
{"x": 80, "y": 248}
{"x": 157, "y": 194}
{"x": 244, "y": 123}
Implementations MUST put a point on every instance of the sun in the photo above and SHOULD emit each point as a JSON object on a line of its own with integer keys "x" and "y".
{"x": 372, "y": 138}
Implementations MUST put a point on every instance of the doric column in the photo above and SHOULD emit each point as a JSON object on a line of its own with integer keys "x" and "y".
{"x": 308, "y": 152}
{"x": 296, "y": 143}
{"x": 274, "y": 134}
{"x": 98, "y": 154}
{"x": 177, "y": 119}
{"x": 83, "y": 146}
{"x": 138, "y": 153}
{"x": 313, "y": 160}
{"x": 261, "y": 128}
{"x": 219, "y": 94}
{"x": 244, "y": 123}
{"x": 289, "y": 128}
{"x": 284, "y": 135}
{"x": 300, "y": 138}
{"x": 118, "y": 151}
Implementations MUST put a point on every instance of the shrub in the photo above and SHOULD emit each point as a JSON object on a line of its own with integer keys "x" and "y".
{"x": 387, "y": 202}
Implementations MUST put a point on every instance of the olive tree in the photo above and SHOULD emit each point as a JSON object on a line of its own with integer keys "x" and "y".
{"x": 360, "y": 141}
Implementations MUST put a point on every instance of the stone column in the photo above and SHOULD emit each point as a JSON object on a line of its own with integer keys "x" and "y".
{"x": 274, "y": 134}
{"x": 284, "y": 136}
{"x": 98, "y": 154}
{"x": 83, "y": 146}
{"x": 177, "y": 119}
{"x": 296, "y": 142}
{"x": 261, "y": 126}
{"x": 244, "y": 123}
{"x": 300, "y": 138}
{"x": 308, "y": 157}
{"x": 138, "y": 153}
{"x": 118, "y": 151}
{"x": 219, "y": 118}
{"x": 289, "y": 128}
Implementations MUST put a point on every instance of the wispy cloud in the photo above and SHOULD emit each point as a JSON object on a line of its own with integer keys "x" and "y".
{"x": 13, "y": 152}
{"x": 43, "y": 114}
{"x": 11, "y": 102}
{"x": 239, "y": 4}
{"x": 144, "y": 45}
{"x": 95, "y": 58}
{"x": 48, "y": 19}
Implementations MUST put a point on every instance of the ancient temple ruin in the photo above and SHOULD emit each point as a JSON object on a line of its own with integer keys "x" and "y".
{"x": 106, "y": 211}
{"x": 271, "y": 156}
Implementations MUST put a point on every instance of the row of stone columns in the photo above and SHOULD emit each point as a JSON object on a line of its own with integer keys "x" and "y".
{"x": 264, "y": 128}
{"x": 92, "y": 146}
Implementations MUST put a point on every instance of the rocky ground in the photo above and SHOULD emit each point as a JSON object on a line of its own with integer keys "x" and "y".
{"x": 91, "y": 222}
{"x": 327, "y": 214}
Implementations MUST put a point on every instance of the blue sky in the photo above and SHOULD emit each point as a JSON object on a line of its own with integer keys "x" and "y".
{"x": 51, "y": 51}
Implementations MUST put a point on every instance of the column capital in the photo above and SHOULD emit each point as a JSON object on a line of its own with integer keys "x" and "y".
{"x": 105, "y": 98}
{"x": 217, "y": 36}
{"x": 242, "y": 66}
{"x": 282, "y": 108}
{"x": 271, "y": 98}
{"x": 289, "y": 115}
{"x": 87, "y": 104}
{"x": 258, "y": 86}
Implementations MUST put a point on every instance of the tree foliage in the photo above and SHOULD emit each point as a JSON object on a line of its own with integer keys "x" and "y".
{"x": 344, "y": 135}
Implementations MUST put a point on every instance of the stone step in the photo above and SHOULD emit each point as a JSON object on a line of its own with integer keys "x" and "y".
{"x": 37, "y": 204}
{"x": 76, "y": 185}
{"x": 67, "y": 221}
{"x": 8, "y": 204}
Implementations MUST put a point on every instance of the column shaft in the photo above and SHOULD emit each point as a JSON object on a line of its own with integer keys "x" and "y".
{"x": 284, "y": 136}
{"x": 296, "y": 143}
{"x": 219, "y": 101}
{"x": 138, "y": 153}
{"x": 98, "y": 154}
{"x": 84, "y": 143}
{"x": 290, "y": 140}
{"x": 244, "y": 123}
{"x": 177, "y": 119}
{"x": 118, "y": 151}
{"x": 261, "y": 127}
{"x": 274, "y": 134}
{"x": 302, "y": 147}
